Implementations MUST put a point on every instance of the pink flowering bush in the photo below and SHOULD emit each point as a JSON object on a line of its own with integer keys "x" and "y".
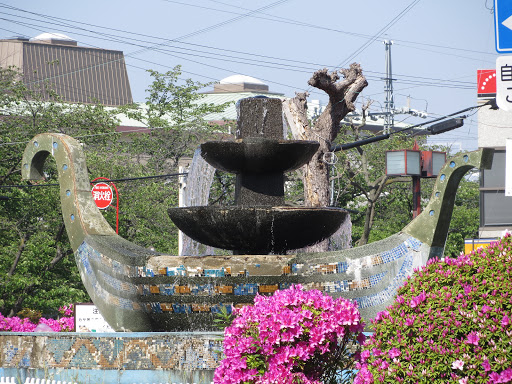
{"x": 294, "y": 336}
{"x": 450, "y": 323}
{"x": 66, "y": 323}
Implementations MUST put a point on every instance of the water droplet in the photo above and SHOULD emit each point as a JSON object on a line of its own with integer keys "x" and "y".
{"x": 443, "y": 176}
{"x": 466, "y": 158}
{"x": 25, "y": 166}
{"x": 452, "y": 164}
{"x": 438, "y": 194}
{"x": 55, "y": 145}
{"x": 72, "y": 217}
{"x": 68, "y": 193}
{"x": 431, "y": 213}
{"x": 36, "y": 144}
{"x": 65, "y": 166}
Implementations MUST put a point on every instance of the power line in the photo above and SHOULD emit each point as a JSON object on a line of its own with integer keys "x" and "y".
{"x": 100, "y": 181}
{"x": 287, "y": 67}
{"x": 342, "y": 147}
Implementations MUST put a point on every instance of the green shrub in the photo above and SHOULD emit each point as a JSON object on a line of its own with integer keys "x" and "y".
{"x": 451, "y": 322}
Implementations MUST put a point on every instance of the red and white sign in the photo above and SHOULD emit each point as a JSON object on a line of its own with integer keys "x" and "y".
{"x": 102, "y": 195}
{"x": 486, "y": 82}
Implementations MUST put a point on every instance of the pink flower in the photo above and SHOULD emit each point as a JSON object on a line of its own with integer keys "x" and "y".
{"x": 464, "y": 380}
{"x": 272, "y": 341}
{"x": 473, "y": 338}
{"x": 458, "y": 364}
{"x": 486, "y": 366}
{"x": 394, "y": 352}
{"x": 417, "y": 300}
{"x": 505, "y": 321}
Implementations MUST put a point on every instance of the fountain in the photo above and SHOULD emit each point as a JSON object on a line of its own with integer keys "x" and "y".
{"x": 260, "y": 223}
{"x": 138, "y": 290}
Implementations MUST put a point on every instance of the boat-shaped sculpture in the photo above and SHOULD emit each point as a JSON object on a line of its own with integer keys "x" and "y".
{"x": 136, "y": 289}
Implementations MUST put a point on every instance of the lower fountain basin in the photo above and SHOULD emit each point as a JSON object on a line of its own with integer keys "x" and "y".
{"x": 257, "y": 230}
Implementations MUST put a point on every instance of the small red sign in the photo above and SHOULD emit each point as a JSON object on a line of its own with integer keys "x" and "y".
{"x": 102, "y": 195}
{"x": 486, "y": 82}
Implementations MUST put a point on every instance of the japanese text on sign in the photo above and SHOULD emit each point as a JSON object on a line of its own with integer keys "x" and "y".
{"x": 102, "y": 195}
{"x": 89, "y": 319}
{"x": 504, "y": 82}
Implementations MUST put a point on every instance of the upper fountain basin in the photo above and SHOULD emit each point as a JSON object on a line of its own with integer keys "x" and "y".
{"x": 258, "y": 155}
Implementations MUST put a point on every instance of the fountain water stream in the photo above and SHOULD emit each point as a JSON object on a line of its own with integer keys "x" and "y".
{"x": 196, "y": 193}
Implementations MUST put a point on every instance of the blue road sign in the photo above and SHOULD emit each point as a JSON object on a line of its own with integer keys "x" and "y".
{"x": 503, "y": 25}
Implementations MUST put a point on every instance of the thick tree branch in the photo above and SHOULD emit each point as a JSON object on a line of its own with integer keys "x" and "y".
{"x": 21, "y": 247}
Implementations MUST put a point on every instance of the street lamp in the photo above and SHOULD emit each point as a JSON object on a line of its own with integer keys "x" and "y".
{"x": 417, "y": 164}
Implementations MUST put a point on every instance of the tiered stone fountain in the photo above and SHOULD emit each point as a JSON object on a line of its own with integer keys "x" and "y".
{"x": 260, "y": 222}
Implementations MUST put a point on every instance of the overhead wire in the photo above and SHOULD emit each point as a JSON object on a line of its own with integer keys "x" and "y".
{"x": 459, "y": 85}
{"x": 100, "y": 181}
{"x": 289, "y": 67}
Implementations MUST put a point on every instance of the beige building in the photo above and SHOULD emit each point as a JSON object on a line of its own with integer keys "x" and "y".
{"x": 77, "y": 74}
{"x": 494, "y": 128}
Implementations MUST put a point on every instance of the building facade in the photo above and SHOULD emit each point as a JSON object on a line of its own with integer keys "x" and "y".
{"x": 494, "y": 128}
{"x": 78, "y": 74}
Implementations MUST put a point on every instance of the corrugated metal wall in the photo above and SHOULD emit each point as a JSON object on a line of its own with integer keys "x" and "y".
{"x": 10, "y": 54}
{"x": 78, "y": 74}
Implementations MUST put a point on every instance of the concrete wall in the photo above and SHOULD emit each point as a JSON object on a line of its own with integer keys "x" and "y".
{"x": 494, "y": 127}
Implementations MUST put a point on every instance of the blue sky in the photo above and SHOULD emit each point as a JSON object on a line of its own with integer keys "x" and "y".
{"x": 438, "y": 45}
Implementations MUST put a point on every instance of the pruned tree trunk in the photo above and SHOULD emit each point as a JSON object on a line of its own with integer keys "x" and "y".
{"x": 342, "y": 95}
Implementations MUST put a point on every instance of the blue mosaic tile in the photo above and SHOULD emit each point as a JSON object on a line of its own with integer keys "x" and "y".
{"x": 390, "y": 291}
{"x": 83, "y": 255}
{"x": 109, "y": 349}
{"x": 10, "y": 352}
{"x": 58, "y": 347}
{"x": 25, "y": 361}
{"x": 413, "y": 243}
{"x": 83, "y": 358}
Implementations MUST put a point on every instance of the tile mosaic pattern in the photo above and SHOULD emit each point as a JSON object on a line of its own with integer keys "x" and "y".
{"x": 111, "y": 352}
{"x": 342, "y": 278}
{"x": 390, "y": 291}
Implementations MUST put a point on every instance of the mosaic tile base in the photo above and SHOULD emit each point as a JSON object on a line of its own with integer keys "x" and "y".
{"x": 154, "y": 351}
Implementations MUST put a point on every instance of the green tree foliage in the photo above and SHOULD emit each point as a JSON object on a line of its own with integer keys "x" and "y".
{"x": 37, "y": 267}
{"x": 465, "y": 219}
{"x": 175, "y": 114}
{"x": 381, "y": 205}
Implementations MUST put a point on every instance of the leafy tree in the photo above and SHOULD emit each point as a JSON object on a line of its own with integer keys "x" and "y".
{"x": 36, "y": 264}
{"x": 37, "y": 267}
{"x": 175, "y": 114}
{"x": 465, "y": 218}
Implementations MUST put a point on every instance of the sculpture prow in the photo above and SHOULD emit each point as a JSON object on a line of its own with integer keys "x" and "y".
{"x": 139, "y": 290}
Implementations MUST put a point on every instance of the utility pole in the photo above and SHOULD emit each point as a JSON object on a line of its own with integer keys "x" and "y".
{"x": 389, "y": 104}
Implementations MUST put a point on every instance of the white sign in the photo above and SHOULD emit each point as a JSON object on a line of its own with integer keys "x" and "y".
{"x": 508, "y": 168}
{"x": 504, "y": 82}
{"x": 88, "y": 319}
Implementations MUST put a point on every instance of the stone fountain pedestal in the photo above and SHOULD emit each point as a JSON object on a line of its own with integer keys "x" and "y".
{"x": 260, "y": 222}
